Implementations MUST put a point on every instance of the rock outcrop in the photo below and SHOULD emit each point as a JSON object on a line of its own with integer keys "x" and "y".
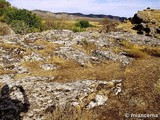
{"x": 147, "y": 22}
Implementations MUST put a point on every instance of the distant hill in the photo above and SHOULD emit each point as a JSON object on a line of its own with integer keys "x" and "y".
{"x": 77, "y": 15}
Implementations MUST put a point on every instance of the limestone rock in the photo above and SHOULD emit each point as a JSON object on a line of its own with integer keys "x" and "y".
{"x": 111, "y": 56}
{"x": 73, "y": 54}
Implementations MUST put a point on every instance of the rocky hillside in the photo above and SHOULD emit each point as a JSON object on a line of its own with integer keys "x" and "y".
{"x": 43, "y": 74}
{"x": 147, "y": 22}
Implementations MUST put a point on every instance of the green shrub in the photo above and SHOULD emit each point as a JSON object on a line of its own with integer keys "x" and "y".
{"x": 82, "y": 24}
{"x": 19, "y": 19}
{"x": 21, "y": 14}
{"x": 19, "y": 26}
{"x": 3, "y": 6}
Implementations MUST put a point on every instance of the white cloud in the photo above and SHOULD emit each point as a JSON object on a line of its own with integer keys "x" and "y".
{"x": 112, "y": 7}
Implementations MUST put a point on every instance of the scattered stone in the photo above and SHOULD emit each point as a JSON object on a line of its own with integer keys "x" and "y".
{"x": 33, "y": 57}
{"x": 49, "y": 67}
{"x": 20, "y": 69}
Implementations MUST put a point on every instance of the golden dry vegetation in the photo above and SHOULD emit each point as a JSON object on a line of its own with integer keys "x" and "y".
{"x": 71, "y": 71}
{"x": 138, "y": 51}
{"x": 151, "y": 15}
{"x": 126, "y": 27}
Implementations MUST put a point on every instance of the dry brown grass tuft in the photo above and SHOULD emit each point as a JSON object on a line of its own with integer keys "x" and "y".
{"x": 71, "y": 113}
{"x": 138, "y": 51}
{"x": 86, "y": 46}
{"x": 49, "y": 47}
{"x": 9, "y": 46}
{"x": 126, "y": 27}
{"x": 2, "y": 72}
{"x": 154, "y": 51}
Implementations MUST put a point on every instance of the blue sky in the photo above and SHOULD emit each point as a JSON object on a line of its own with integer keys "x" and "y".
{"x": 123, "y": 8}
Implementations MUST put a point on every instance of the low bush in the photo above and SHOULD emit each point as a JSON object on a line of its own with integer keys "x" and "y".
{"x": 19, "y": 26}
{"x": 82, "y": 24}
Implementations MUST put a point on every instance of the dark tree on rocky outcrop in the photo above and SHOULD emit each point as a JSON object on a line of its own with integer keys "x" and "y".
{"x": 10, "y": 109}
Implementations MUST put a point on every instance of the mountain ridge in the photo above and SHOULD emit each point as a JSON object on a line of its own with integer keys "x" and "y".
{"x": 81, "y": 15}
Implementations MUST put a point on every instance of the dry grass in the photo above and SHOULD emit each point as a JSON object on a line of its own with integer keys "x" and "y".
{"x": 20, "y": 76}
{"x": 86, "y": 46}
{"x": 151, "y": 15}
{"x": 140, "y": 92}
{"x": 126, "y": 27}
{"x": 49, "y": 47}
{"x": 133, "y": 50}
{"x": 154, "y": 51}
{"x": 70, "y": 70}
{"x": 9, "y": 46}
{"x": 109, "y": 25}
{"x": 3, "y": 72}
{"x": 57, "y": 23}
{"x": 70, "y": 113}
{"x": 138, "y": 51}
{"x": 116, "y": 50}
